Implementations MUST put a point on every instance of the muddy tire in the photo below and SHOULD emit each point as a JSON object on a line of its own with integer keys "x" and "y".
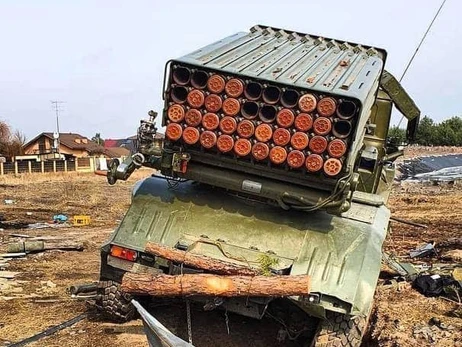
{"x": 114, "y": 304}
{"x": 340, "y": 330}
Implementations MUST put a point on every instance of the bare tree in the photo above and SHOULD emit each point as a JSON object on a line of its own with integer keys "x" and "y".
{"x": 11, "y": 144}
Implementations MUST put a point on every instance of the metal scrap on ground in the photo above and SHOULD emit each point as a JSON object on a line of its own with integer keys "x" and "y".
{"x": 432, "y": 168}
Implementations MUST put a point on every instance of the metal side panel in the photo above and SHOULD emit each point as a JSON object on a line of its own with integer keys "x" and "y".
{"x": 341, "y": 254}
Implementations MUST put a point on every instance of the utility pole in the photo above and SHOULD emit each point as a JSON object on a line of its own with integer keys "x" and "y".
{"x": 56, "y": 106}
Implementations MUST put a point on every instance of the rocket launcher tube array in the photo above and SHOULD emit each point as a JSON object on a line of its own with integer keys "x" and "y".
{"x": 256, "y": 121}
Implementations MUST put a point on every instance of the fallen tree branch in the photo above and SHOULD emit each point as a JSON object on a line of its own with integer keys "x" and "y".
{"x": 215, "y": 285}
{"x": 198, "y": 261}
{"x": 399, "y": 220}
{"x": 450, "y": 300}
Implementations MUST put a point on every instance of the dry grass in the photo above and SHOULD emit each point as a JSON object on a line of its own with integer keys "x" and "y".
{"x": 67, "y": 193}
{"x": 76, "y": 193}
{"x": 45, "y": 195}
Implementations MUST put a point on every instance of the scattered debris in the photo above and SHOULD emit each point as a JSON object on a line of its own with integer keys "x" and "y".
{"x": 426, "y": 250}
{"x": 449, "y": 174}
{"x": 12, "y": 255}
{"x": 400, "y": 220}
{"x": 50, "y": 331}
{"x": 34, "y": 245}
{"x": 60, "y": 218}
{"x": 43, "y": 225}
{"x": 437, "y": 168}
{"x": 406, "y": 270}
{"x": 399, "y": 284}
{"x": 8, "y": 201}
{"x": 452, "y": 255}
{"x": 40, "y": 246}
{"x": 82, "y": 288}
{"x": 8, "y": 274}
{"x": 81, "y": 220}
{"x": 434, "y": 331}
{"x": 83, "y": 291}
{"x": 433, "y": 285}
{"x": 13, "y": 225}
{"x": 23, "y": 236}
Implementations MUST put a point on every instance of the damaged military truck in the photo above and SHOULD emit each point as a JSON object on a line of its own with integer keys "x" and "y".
{"x": 275, "y": 148}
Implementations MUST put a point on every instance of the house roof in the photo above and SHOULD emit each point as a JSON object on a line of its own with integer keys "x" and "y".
{"x": 110, "y": 143}
{"x": 128, "y": 143}
{"x": 72, "y": 141}
{"x": 117, "y": 152}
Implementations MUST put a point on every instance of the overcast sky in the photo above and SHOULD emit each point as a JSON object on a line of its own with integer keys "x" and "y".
{"x": 106, "y": 59}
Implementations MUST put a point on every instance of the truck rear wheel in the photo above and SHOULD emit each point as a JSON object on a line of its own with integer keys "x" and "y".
{"x": 114, "y": 303}
{"x": 340, "y": 330}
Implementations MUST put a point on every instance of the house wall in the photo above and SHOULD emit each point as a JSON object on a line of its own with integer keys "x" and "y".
{"x": 33, "y": 148}
{"x": 79, "y": 153}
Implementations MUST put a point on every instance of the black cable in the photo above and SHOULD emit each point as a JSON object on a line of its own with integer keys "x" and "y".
{"x": 49, "y": 331}
{"x": 310, "y": 207}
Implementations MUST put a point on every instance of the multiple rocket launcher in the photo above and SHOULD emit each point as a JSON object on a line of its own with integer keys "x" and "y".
{"x": 257, "y": 121}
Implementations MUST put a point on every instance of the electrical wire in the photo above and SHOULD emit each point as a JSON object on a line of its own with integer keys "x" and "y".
{"x": 418, "y": 47}
{"x": 336, "y": 192}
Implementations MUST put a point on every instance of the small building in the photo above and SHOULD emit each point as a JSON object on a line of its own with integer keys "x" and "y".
{"x": 71, "y": 145}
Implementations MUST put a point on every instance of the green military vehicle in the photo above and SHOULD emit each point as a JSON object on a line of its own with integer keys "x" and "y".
{"x": 275, "y": 148}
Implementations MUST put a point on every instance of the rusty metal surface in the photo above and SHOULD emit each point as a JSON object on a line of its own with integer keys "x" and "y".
{"x": 295, "y": 59}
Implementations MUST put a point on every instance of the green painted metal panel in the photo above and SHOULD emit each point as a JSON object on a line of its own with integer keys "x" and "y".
{"x": 341, "y": 254}
{"x": 400, "y": 97}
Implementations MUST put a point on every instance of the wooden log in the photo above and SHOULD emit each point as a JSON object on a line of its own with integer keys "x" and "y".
{"x": 198, "y": 261}
{"x": 215, "y": 285}
{"x": 40, "y": 246}
{"x": 64, "y": 245}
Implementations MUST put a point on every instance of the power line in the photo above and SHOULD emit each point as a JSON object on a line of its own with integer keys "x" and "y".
{"x": 418, "y": 47}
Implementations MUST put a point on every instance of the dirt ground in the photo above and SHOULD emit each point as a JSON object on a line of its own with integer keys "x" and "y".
{"x": 37, "y": 298}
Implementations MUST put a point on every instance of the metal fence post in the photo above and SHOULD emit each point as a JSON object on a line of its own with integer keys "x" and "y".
{"x": 54, "y": 165}
{"x": 15, "y": 167}
{"x": 76, "y": 164}
{"x": 29, "y": 166}
{"x": 92, "y": 164}
{"x": 42, "y": 166}
{"x": 1, "y": 169}
{"x": 65, "y": 165}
